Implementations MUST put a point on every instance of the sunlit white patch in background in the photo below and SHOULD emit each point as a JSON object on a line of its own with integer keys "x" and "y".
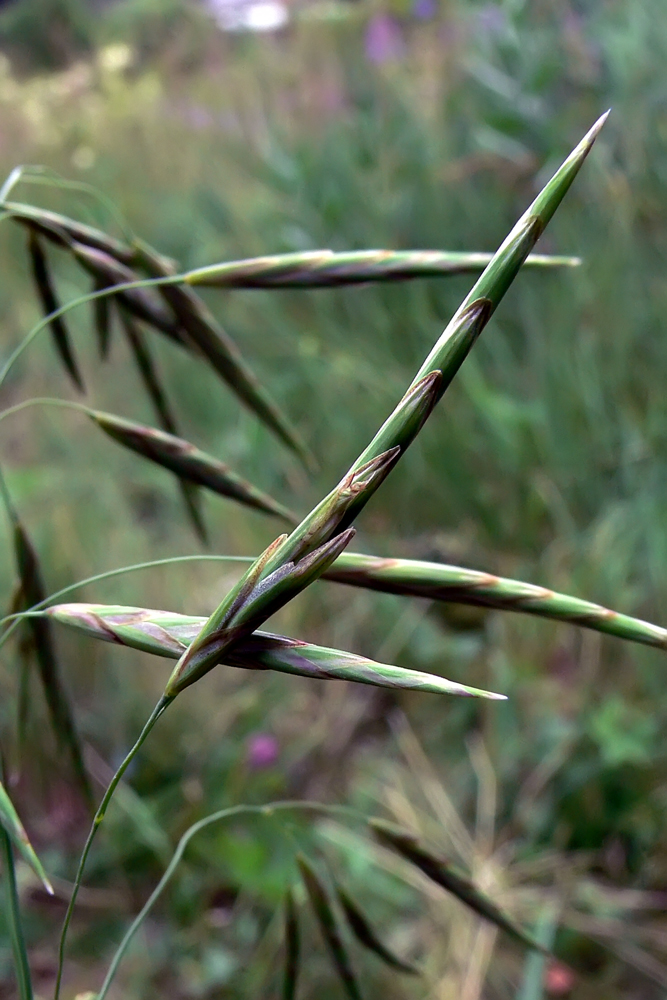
{"x": 249, "y": 15}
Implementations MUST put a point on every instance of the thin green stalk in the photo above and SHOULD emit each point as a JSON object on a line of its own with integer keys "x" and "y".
{"x": 222, "y": 814}
{"x": 46, "y": 177}
{"x": 66, "y": 404}
{"x": 81, "y": 301}
{"x": 161, "y": 707}
{"x": 15, "y": 924}
{"x": 107, "y": 575}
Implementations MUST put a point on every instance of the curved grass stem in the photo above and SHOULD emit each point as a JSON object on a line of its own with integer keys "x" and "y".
{"x": 161, "y": 707}
{"x": 223, "y": 814}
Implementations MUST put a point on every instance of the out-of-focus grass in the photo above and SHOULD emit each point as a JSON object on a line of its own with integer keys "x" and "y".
{"x": 547, "y": 459}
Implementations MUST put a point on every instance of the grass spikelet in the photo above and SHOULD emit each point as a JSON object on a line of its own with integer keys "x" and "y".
{"x": 366, "y": 936}
{"x": 458, "y": 585}
{"x": 292, "y": 948}
{"x": 188, "y": 463}
{"x": 49, "y": 301}
{"x": 56, "y": 699}
{"x": 168, "y": 634}
{"x": 329, "y": 928}
{"x": 245, "y": 611}
{"x": 156, "y": 394}
{"x": 326, "y": 269}
{"x": 450, "y": 879}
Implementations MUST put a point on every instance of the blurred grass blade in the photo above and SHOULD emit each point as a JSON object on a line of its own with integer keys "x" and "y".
{"x": 102, "y": 319}
{"x": 292, "y": 948}
{"x": 221, "y": 351}
{"x": 149, "y": 377}
{"x": 49, "y": 303}
{"x": 326, "y": 918}
{"x": 532, "y": 985}
{"x": 457, "y": 585}
{"x": 168, "y": 634}
{"x": 13, "y": 920}
{"x": 365, "y": 934}
{"x": 54, "y": 227}
{"x": 15, "y": 830}
{"x": 188, "y": 463}
{"x": 445, "y": 875}
{"x": 325, "y": 268}
{"x": 54, "y": 692}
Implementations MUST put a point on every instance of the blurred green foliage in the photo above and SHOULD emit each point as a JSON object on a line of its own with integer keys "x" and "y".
{"x": 547, "y": 461}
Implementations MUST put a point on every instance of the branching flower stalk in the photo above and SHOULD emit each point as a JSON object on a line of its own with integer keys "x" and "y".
{"x": 292, "y": 562}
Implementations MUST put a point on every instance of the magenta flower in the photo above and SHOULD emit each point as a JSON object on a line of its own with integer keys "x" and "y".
{"x": 261, "y": 751}
{"x": 384, "y": 39}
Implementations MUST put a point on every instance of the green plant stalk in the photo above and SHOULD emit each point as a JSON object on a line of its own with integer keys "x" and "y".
{"x": 326, "y": 269}
{"x": 14, "y": 620}
{"x": 165, "y": 634}
{"x": 231, "y": 812}
{"x": 14, "y": 922}
{"x": 161, "y": 707}
{"x": 402, "y": 426}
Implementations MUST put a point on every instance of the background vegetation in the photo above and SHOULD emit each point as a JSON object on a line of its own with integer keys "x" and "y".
{"x": 361, "y": 125}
